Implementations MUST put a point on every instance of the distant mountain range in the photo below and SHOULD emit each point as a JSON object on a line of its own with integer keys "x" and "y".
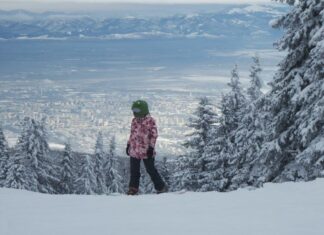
{"x": 241, "y": 21}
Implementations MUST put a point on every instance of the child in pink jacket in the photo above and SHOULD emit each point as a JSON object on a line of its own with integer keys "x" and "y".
{"x": 141, "y": 146}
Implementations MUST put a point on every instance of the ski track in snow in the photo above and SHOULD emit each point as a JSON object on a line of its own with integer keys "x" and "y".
{"x": 276, "y": 209}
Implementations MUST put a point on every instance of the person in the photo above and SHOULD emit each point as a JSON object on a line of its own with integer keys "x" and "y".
{"x": 141, "y": 146}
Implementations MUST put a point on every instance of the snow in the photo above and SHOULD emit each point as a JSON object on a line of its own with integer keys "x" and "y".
{"x": 42, "y": 37}
{"x": 248, "y": 53}
{"x": 274, "y": 22}
{"x": 289, "y": 208}
{"x": 55, "y": 146}
{"x": 255, "y": 8}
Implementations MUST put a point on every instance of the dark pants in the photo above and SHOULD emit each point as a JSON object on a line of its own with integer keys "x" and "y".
{"x": 151, "y": 170}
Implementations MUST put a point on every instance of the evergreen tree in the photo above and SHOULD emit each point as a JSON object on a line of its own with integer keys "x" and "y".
{"x": 146, "y": 186}
{"x": 99, "y": 165}
{"x": 125, "y": 175}
{"x": 4, "y": 158}
{"x": 232, "y": 107}
{"x": 293, "y": 148}
{"x": 202, "y": 122}
{"x": 17, "y": 175}
{"x": 114, "y": 181}
{"x": 254, "y": 91}
{"x": 182, "y": 177}
{"x": 219, "y": 152}
{"x": 232, "y": 103}
{"x": 31, "y": 151}
{"x": 86, "y": 183}
{"x": 204, "y": 117}
{"x": 215, "y": 180}
{"x": 163, "y": 169}
{"x": 67, "y": 175}
{"x": 248, "y": 136}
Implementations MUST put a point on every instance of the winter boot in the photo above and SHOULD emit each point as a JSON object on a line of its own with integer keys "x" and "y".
{"x": 132, "y": 191}
{"x": 163, "y": 190}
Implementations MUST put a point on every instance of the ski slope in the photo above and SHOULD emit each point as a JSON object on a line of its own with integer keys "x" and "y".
{"x": 276, "y": 209}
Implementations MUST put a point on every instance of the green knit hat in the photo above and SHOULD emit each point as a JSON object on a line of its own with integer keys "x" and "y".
{"x": 140, "y": 108}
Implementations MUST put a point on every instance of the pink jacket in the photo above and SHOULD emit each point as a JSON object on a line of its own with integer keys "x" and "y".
{"x": 143, "y": 135}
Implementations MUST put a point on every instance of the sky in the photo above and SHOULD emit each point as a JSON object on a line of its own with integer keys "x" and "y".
{"x": 113, "y": 5}
{"x": 139, "y": 1}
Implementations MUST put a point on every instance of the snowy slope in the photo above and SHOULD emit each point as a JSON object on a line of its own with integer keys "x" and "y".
{"x": 276, "y": 209}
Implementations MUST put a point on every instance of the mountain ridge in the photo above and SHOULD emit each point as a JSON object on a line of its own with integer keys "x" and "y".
{"x": 244, "y": 21}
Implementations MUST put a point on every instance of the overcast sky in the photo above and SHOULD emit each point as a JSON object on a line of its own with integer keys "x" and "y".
{"x": 138, "y": 1}
{"x": 101, "y": 5}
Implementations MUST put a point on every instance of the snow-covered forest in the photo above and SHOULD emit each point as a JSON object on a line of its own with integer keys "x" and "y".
{"x": 253, "y": 138}
{"x": 272, "y": 137}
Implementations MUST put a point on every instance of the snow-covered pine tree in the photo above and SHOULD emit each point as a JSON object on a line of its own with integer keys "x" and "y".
{"x": 294, "y": 148}
{"x": 248, "y": 136}
{"x": 220, "y": 151}
{"x": 215, "y": 180}
{"x": 233, "y": 103}
{"x": 67, "y": 176}
{"x": 24, "y": 159}
{"x": 254, "y": 91}
{"x": 4, "y": 158}
{"x": 203, "y": 120}
{"x": 146, "y": 185}
{"x": 17, "y": 175}
{"x": 125, "y": 174}
{"x": 204, "y": 117}
{"x": 47, "y": 180}
{"x": 31, "y": 151}
{"x": 182, "y": 174}
{"x": 113, "y": 179}
{"x": 99, "y": 165}
{"x": 164, "y": 171}
{"x": 86, "y": 182}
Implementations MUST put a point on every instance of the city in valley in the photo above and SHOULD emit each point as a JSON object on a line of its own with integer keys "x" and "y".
{"x": 75, "y": 115}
